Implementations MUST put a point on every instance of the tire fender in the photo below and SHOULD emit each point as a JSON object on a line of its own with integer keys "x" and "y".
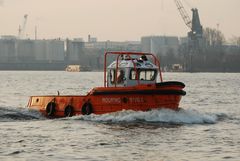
{"x": 51, "y": 108}
{"x": 87, "y": 109}
{"x": 68, "y": 111}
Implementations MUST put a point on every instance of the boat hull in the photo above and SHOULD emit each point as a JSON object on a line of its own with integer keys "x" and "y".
{"x": 102, "y": 100}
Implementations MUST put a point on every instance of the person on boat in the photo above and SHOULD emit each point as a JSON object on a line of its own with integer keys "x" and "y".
{"x": 143, "y": 58}
{"x": 120, "y": 77}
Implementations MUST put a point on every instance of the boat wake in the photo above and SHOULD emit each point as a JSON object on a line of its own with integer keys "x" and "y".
{"x": 182, "y": 116}
{"x": 13, "y": 114}
{"x": 155, "y": 116}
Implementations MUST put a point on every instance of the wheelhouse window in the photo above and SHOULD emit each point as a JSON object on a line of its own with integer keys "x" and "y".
{"x": 120, "y": 76}
{"x": 143, "y": 74}
{"x": 111, "y": 74}
{"x": 133, "y": 75}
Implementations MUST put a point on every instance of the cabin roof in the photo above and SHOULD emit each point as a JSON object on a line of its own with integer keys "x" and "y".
{"x": 130, "y": 64}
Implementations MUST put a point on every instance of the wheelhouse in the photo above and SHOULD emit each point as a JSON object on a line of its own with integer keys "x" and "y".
{"x": 125, "y": 71}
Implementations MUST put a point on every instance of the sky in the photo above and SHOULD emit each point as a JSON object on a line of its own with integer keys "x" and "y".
{"x": 115, "y": 20}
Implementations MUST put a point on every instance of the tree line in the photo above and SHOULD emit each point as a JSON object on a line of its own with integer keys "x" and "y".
{"x": 211, "y": 54}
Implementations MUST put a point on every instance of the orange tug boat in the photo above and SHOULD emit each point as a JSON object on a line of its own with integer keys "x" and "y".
{"x": 130, "y": 83}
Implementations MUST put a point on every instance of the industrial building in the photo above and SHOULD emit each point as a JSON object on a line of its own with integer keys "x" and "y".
{"x": 74, "y": 50}
{"x": 115, "y": 45}
{"x": 31, "y": 54}
{"x": 26, "y": 54}
{"x": 160, "y": 44}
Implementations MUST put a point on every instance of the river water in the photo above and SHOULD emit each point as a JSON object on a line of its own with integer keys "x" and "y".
{"x": 207, "y": 127}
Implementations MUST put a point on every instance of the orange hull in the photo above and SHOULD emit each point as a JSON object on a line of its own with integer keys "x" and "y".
{"x": 102, "y": 100}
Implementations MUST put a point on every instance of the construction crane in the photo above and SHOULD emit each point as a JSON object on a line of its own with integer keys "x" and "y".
{"x": 184, "y": 14}
{"x": 194, "y": 25}
{"x": 194, "y": 35}
{"x": 21, "y": 30}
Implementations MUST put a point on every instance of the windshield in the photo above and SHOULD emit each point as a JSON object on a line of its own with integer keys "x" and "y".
{"x": 143, "y": 74}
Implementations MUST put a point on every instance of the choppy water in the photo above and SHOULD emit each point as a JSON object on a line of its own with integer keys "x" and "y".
{"x": 207, "y": 127}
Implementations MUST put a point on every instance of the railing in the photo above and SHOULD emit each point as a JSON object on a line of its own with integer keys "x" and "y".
{"x": 120, "y": 53}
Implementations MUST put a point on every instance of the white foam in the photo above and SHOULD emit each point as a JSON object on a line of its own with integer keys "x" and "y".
{"x": 15, "y": 113}
{"x": 162, "y": 115}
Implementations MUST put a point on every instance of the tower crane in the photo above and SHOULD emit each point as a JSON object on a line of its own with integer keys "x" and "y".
{"x": 21, "y": 30}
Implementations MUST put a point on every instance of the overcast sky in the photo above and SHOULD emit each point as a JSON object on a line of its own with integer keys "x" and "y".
{"x": 116, "y": 20}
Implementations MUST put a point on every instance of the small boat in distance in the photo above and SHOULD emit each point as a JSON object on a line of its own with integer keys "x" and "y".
{"x": 130, "y": 83}
{"x": 77, "y": 68}
{"x": 73, "y": 68}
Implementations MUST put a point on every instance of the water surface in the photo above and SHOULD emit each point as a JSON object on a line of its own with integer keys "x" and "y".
{"x": 207, "y": 127}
